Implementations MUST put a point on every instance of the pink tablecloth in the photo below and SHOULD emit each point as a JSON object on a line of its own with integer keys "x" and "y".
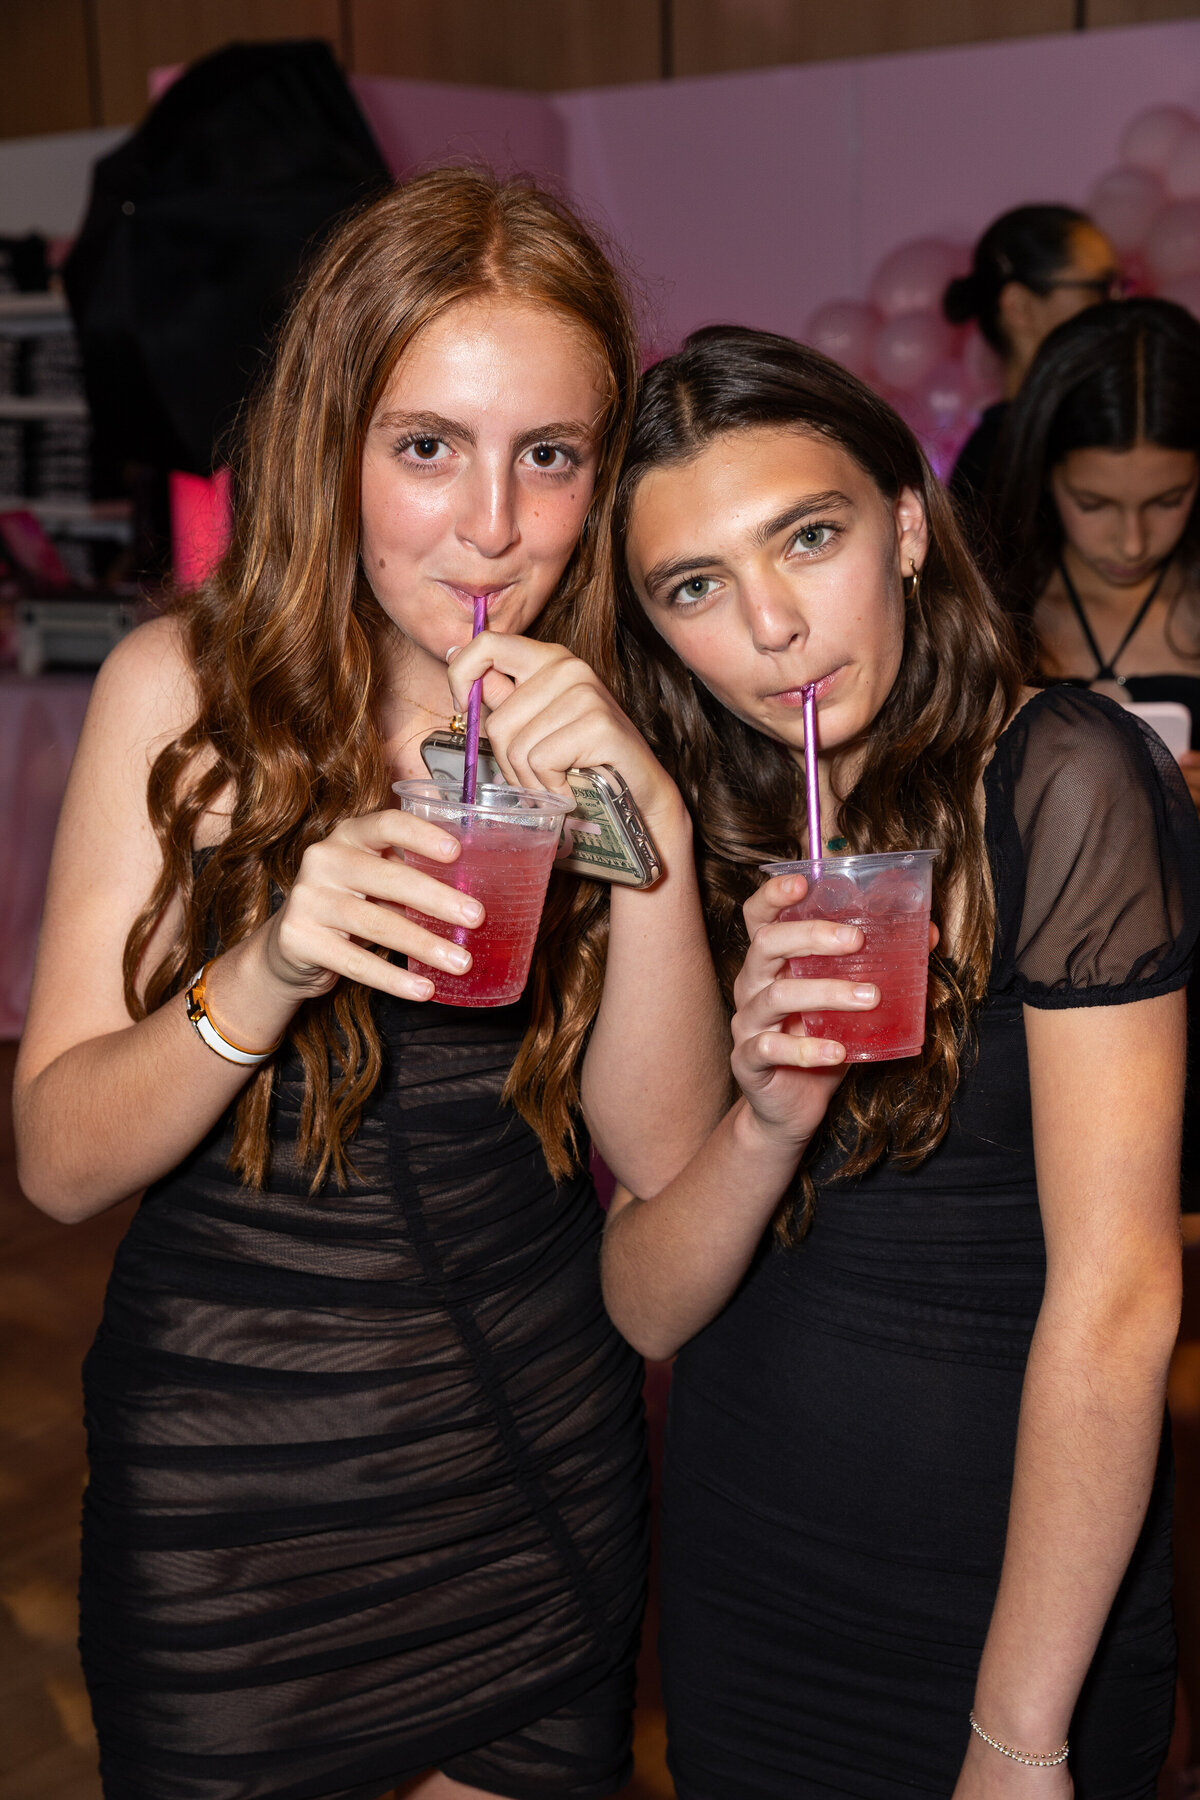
{"x": 39, "y": 728}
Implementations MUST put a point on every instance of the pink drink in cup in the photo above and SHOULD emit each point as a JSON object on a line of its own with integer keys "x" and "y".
{"x": 509, "y": 837}
{"x": 888, "y": 897}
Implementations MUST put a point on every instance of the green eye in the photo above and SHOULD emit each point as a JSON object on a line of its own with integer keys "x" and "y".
{"x": 693, "y": 590}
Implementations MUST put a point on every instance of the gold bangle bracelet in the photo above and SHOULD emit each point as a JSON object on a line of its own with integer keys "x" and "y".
{"x": 1030, "y": 1758}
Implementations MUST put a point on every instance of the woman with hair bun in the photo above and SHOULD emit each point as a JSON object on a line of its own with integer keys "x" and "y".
{"x": 368, "y": 1484}
{"x": 1032, "y": 268}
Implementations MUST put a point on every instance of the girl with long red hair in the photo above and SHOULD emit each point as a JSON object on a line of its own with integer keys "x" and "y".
{"x": 367, "y": 1473}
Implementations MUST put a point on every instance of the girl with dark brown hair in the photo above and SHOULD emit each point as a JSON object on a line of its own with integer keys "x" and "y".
{"x": 916, "y": 1527}
{"x": 367, "y": 1472}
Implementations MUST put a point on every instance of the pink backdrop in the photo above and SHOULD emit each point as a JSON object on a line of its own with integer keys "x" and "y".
{"x": 757, "y": 197}
{"x": 39, "y": 726}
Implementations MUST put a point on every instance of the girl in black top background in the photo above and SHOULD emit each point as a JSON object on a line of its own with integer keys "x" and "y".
{"x": 1094, "y": 503}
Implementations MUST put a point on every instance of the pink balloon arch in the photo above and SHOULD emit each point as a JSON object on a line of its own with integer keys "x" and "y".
{"x": 940, "y": 377}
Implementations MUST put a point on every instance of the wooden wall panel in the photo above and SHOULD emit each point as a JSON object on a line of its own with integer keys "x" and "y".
{"x": 43, "y": 68}
{"x": 709, "y": 36}
{"x": 507, "y": 43}
{"x": 1139, "y": 12}
{"x": 135, "y": 36}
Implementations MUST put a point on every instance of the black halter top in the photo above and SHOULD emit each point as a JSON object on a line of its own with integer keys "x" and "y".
{"x": 1173, "y": 685}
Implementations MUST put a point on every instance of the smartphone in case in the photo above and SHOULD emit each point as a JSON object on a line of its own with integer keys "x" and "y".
{"x": 606, "y": 836}
{"x": 1171, "y": 720}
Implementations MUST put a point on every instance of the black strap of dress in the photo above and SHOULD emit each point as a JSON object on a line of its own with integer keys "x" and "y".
{"x": 1107, "y": 671}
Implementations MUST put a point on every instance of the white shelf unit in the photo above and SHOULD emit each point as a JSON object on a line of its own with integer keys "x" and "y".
{"x": 26, "y": 313}
{"x": 49, "y": 406}
{"x": 48, "y": 315}
{"x": 110, "y": 520}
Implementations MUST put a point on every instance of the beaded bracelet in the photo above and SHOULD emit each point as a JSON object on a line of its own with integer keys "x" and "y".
{"x": 1030, "y": 1758}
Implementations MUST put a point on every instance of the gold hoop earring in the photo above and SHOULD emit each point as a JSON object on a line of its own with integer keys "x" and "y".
{"x": 912, "y": 583}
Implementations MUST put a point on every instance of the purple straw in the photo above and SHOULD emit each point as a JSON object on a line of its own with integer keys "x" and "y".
{"x": 471, "y": 764}
{"x": 812, "y": 782}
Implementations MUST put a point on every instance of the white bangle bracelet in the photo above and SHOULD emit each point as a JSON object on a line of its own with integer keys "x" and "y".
{"x": 201, "y": 1023}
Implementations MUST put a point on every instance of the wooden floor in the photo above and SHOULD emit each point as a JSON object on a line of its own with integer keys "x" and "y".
{"x": 51, "y": 1283}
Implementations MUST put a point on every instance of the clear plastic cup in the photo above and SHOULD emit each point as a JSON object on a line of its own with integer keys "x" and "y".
{"x": 509, "y": 837}
{"x": 888, "y": 896}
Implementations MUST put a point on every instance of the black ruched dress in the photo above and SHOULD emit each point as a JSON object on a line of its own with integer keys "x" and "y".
{"x": 841, "y": 1438}
{"x": 368, "y": 1481}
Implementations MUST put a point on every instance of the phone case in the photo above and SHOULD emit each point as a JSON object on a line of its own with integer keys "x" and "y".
{"x": 605, "y": 837}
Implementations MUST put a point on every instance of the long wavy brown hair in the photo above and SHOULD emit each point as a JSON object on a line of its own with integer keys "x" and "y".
{"x": 918, "y": 782}
{"x": 286, "y": 639}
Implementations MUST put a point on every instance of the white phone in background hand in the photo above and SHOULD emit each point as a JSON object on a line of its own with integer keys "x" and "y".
{"x": 1171, "y": 720}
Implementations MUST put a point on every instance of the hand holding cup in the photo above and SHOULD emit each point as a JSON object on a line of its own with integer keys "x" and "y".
{"x": 346, "y": 905}
{"x": 788, "y": 1077}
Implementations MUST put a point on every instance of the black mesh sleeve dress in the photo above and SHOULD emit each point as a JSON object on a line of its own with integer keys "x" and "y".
{"x": 841, "y": 1438}
{"x": 368, "y": 1484}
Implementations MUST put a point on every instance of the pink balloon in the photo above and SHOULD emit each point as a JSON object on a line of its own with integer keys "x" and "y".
{"x": 1173, "y": 245}
{"x": 845, "y": 330}
{"x": 947, "y": 394}
{"x": 913, "y": 278}
{"x": 1124, "y": 203}
{"x": 910, "y": 347}
{"x": 913, "y": 411}
{"x": 983, "y": 367}
{"x": 1147, "y": 142}
{"x": 1183, "y": 168}
{"x": 1185, "y": 291}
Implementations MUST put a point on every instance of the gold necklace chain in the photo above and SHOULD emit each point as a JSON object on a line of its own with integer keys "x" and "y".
{"x": 458, "y": 720}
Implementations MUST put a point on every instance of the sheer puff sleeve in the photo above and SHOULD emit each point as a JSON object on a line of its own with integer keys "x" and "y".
{"x": 1095, "y": 855}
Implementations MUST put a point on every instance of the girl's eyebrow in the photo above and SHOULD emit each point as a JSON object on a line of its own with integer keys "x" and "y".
{"x": 561, "y": 428}
{"x": 436, "y": 425}
{"x": 666, "y": 573}
{"x": 793, "y": 514}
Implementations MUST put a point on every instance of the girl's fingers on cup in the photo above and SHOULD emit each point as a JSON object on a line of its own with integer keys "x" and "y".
{"x": 392, "y": 929}
{"x": 767, "y": 902}
{"x": 787, "y": 996}
{"x": 358, "y": 963}
{"x": 395, "y": 829}
{"x": 790, "y": 994}
{"x": 400, "y": 884}
{"x": 807, "y": 937}
{"x": 773, "y": 945}
{"x": 781, "y": 1050}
